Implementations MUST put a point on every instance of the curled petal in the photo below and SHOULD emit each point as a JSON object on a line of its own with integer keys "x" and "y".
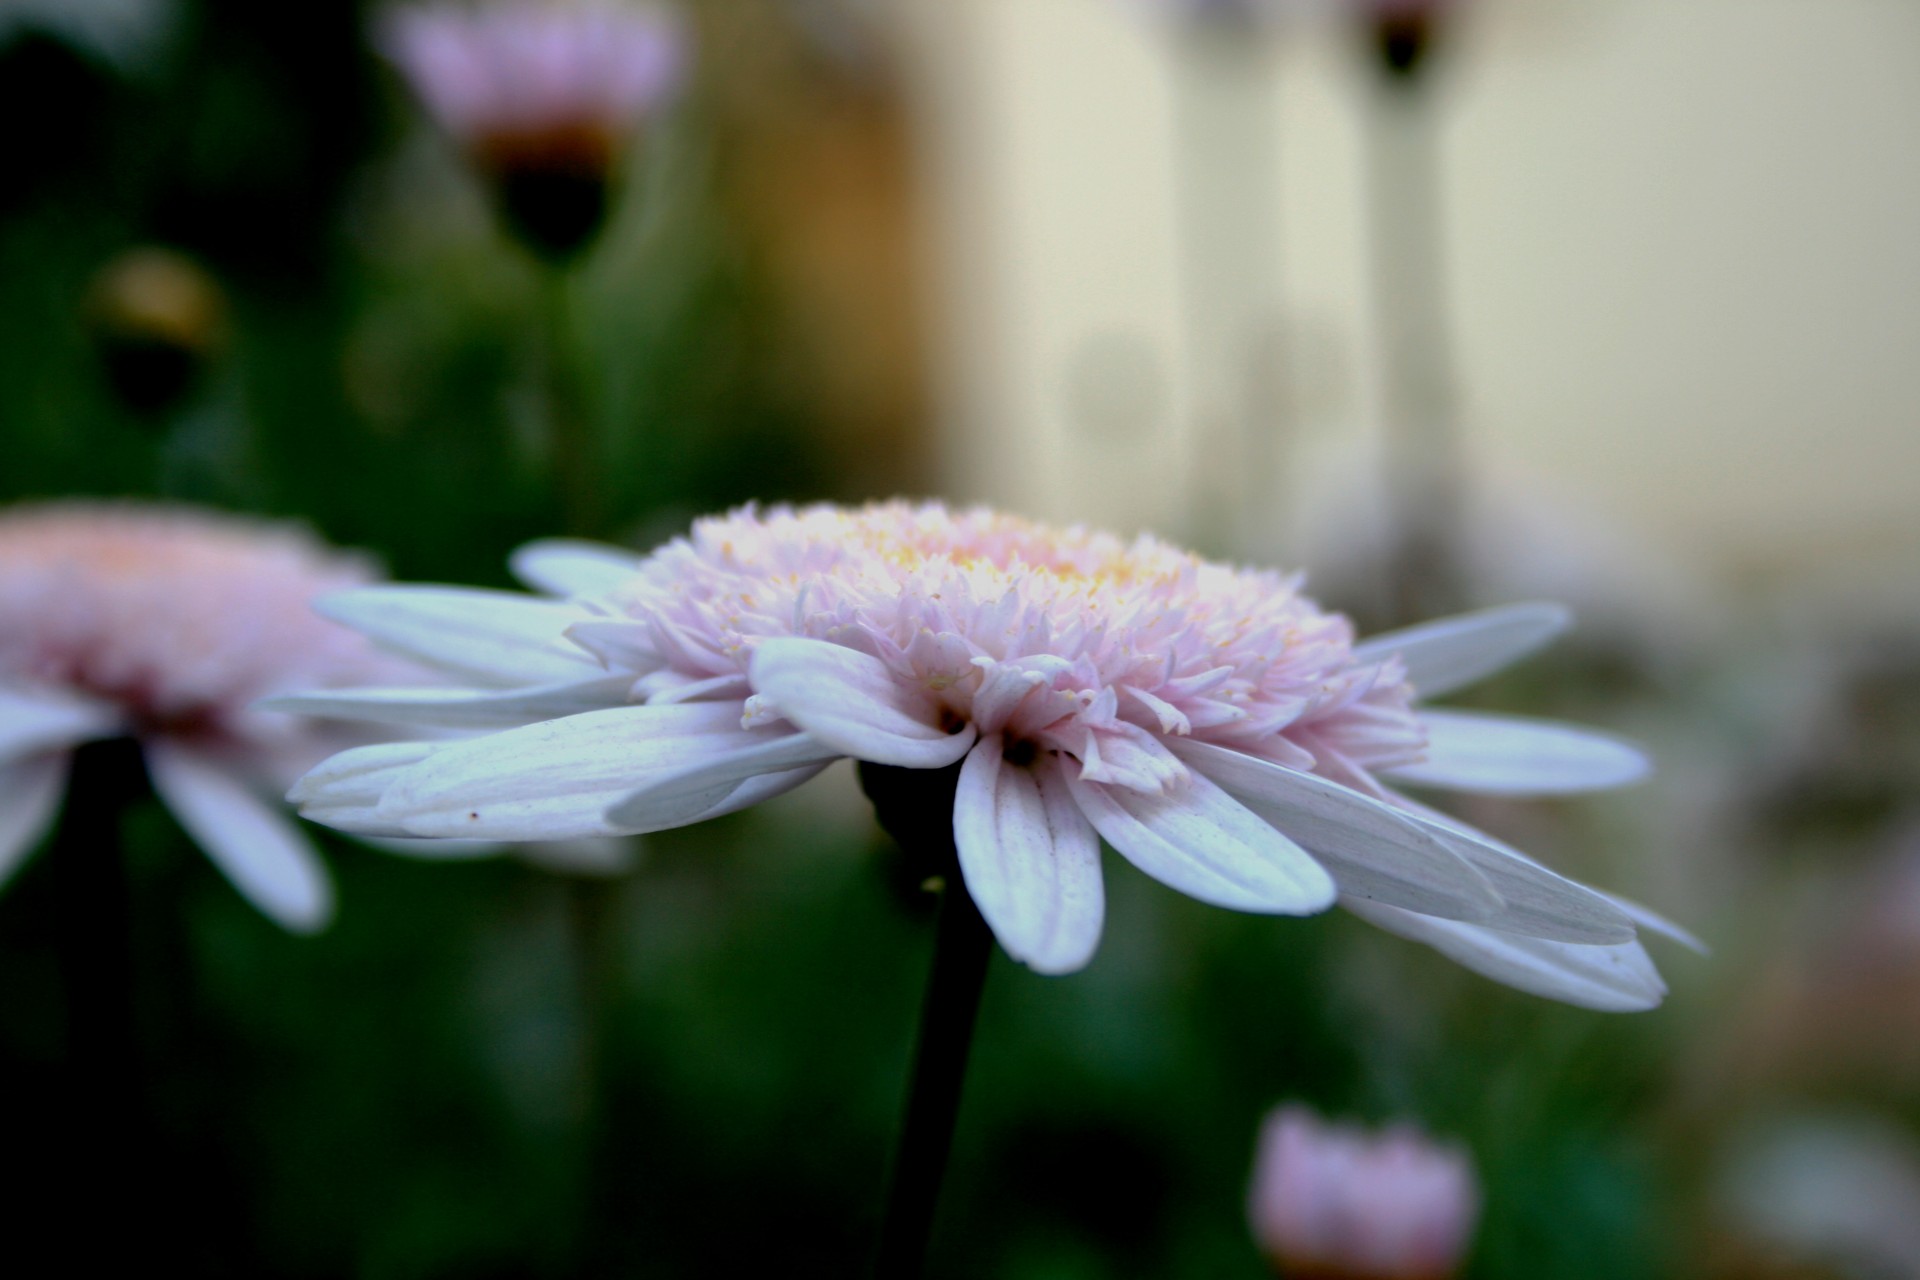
{"x": 850, "y": 702}
{"x": 725, "y": 781}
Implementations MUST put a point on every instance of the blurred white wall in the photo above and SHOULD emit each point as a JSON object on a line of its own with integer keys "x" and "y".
{"x": 1684, "y": 258}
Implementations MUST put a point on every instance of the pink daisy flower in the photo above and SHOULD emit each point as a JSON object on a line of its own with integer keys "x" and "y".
{"x": 167, "y": 625}
{"x": 1213, "y": 725}
{"x": 1332, "y": 1201}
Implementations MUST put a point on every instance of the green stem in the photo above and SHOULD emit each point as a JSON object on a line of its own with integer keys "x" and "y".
{"x": 916, "y": 808}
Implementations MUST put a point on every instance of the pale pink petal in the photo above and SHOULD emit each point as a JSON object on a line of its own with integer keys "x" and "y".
{"x": 1507, "y": 755}
{"x": 253, "y": 843}
{"x": 441, "y": 708}
{"x": 1538, "y": 901}
{"x": 344, "y": 790}
{"x": 1613, "y": 979}
{"x": 36, "y": 720}
{"x": 567, "y": 567}
{"x": 1451, "y": 653}
{"x": 1371, "y": 850}
{"x": 30, "y": 788}
{"x": 1029, "y": 857}
{"x": 492, "y": 637}
{"x": 1207, "y": 845}
{"x": 556, "y": 779}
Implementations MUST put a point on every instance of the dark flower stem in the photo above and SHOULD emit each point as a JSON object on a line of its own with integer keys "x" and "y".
{"x": 916, "y": 808}
{"x": 962, "y": 947}
{"x": 107, "y": 1140}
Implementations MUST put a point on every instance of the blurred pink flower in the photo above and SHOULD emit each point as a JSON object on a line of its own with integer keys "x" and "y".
{"x": 517, "y": 71}
{"x": 1215, "y": 726}
{"x": 167, "y": 624}
{"x": 1333, "y": 1201}
{"x": 543, "y": 96}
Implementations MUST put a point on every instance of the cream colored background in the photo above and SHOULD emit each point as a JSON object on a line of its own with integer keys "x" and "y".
{"x": 1684, "y": 261}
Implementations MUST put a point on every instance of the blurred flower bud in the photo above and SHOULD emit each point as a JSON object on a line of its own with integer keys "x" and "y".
{"x": 1330, "y": 1202}
{"x": 543, "y": 97}
{"x": 156, "y": 318}
{"x": 1404, "y": 32}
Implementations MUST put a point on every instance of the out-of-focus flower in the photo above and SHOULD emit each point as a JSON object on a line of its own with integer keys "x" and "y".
{"x": 166, "y": 625}
{"x": 1837, "y": 1190}
{"x": 1329, "y": 1201}
{"x": 1214, "y": 725}
{"x": 543, "y": 96}
{"x": 156, "y": 319}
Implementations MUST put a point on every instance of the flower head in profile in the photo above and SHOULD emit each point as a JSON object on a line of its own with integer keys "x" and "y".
{"x": 1338, "y": 1203}
{"x": 1212, "y": 724}
{"x": 167, "y": 625}
{"x": 543, "y": 95}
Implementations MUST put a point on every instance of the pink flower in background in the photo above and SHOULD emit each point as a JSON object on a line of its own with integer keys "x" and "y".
{"x": 519, "y": 70}
{"x": 1212, "y": 724}
{"x": 167, "y": 625}
{"x": 1332, "y": 1201}
{"x": 542, "y": 96}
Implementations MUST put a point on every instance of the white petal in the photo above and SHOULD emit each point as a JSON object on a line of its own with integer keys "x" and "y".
{"x": 1653, "y": 922}
{"x": 1371, "y": 850}
{"x": 1509, "y": 756}
{"x": 1030, "y": 859}
{"x": 1451, "y": 653}
{"x": 1613, "y": 979}
{"x": 492, "y": 637}
{"x": 851, "y": 702}
{"x": 1201, "y": 841}
{"x": 30, "y": 789}
{"x": 1539, "y": 902}
{"x": 555, "y": 780}
{"x": 568, "y": 567}
{"x": 35, "y": 720}
{"x": 343, "y": 791}
{"x": 722, "y": 781}
{"x": 254, "y": 844}
{"x": 442, "y": 708}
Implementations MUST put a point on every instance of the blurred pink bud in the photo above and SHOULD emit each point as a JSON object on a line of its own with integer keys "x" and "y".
{"x": 1331, "y": 1201}
{"x": 543, "y": 96}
